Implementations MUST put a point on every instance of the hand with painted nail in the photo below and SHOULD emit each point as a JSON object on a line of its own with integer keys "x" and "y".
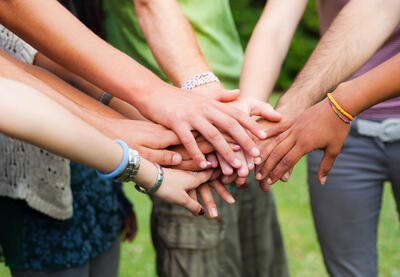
{"x": 316, "y": 128}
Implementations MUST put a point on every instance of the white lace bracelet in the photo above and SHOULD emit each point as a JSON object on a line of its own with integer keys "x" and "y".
{"x": 200, "y": 79}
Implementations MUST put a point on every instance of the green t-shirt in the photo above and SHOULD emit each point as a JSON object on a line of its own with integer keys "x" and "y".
{"x": 213, "y": 25}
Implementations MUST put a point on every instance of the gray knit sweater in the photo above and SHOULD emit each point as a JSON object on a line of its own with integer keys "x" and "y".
{"x": 27, "y": 172}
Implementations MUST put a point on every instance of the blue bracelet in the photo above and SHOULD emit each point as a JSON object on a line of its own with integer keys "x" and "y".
{"x": 121, "y": 166}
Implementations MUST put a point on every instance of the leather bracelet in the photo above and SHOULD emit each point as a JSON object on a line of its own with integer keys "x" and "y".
{"x": 105, "y": 98}
{"x": 157, "y": 185}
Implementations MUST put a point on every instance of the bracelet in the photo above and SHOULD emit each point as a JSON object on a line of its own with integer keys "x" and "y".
{"x": 157, "y": 185}
{"x": 131, "y": 169}
{"x": 105, "y": 98}
{"x": 121, "y": 166}
{"x": 346, "y": 114}
{"x": 337, "y": 112}
{"x": 200, "y": 79}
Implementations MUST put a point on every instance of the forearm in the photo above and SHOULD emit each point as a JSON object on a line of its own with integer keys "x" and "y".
{"x": 62, "y": 38}
{"x": 35, "y": 118}
{"x": 171, "y": 39}
{"x": 354, "y": 36}
{"x": 268, "y": 47}
{"x": 373, "y": 87}
{"x": 81, "y": 84}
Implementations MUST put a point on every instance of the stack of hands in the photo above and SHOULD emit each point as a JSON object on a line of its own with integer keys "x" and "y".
{"x": 245, "y": 134}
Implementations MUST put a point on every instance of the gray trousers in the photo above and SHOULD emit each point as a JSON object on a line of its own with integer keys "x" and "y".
{"x": 346, "y": 209}
{"x": 105, "y": 265}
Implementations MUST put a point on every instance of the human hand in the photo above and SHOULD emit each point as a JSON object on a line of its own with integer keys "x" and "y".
{"x": 148, "y": 138}
{"x": 183, "y": 112}
{"x": 316, "y": 128}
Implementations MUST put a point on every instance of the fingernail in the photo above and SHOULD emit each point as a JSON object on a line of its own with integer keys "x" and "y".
{"x": 262, "y": 134}
{"x": 230, "y": 199}
{"x": 236, "y": 147}
{"x": 250, "y": 166}
{"x": 255, "y": 151}
{"x": 259, "y": 176}
{"x": 269, "y": 181}
{"x": 285, "y": 177}
{"x": 245, "y": 185}
{"x": 237, "y": 163}
{"x": 214, "y": 212}
{"x": 176, "y": 159}
{"x": 225, "y": 179}
{"x": 323, "y": 180}
{"x": 201, "y": 212}
{"x": 205, "y": 164}
{"x": 257, "y": 160}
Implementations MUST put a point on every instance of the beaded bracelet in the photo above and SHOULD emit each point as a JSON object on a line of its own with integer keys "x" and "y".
{"x": 200, "y": 79}
{"x": 338, "y": 107}
{"x": 337, "y": 112}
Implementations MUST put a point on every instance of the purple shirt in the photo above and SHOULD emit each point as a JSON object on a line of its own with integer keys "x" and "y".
{"x": 327, "y": 11}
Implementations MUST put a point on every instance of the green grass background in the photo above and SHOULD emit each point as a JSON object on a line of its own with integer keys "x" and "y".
{"x": 305, "y": 260}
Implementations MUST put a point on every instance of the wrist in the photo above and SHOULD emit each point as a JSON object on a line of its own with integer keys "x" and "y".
{"x": 147, "y": 174}
{"x": 346, "y": 95}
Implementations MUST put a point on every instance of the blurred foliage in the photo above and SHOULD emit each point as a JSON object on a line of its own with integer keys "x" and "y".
{"x": 246, "y": 14}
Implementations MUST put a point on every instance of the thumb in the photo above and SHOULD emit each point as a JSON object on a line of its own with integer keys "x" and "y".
{"x": 326, "y": 164}
{"x": 162, "y": 157}
{"x": 224, "y": 95}
{"x": 264, "y": 110}
{"x": 193, "y": 206}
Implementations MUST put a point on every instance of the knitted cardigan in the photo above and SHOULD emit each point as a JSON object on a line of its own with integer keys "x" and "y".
{"x": 28, "y": 172}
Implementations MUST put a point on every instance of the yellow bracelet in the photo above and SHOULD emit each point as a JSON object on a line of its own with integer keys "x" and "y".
{"x": 346, "y": 114}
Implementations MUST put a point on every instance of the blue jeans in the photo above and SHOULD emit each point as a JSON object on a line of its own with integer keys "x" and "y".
{"x": 346, "y": 209}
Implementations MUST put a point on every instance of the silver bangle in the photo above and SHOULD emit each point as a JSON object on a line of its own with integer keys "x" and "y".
{"x": 131, "y": 169}
{"x": 157, "y": 185}
{"x": 105, "y": 98}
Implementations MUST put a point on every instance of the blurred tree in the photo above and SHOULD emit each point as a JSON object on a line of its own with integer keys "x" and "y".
{"x": 246, "y": 14}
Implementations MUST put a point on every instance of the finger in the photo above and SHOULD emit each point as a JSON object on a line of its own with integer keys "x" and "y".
{"x": 326, "y": 164}
{"x": 193, "y": 195}
{"x": 201, "y": 177}
{"x": 235, "y": 130}
{"x": 162, "y": 157}
{"x": 278, "y": 129}
{"x": 278, "y": 148}
{"x": 226, "y": 95}
{"x": 212, "y": 158}
{"x": 228, "y": 179}
{"x": 190, "y": 144}
{"x": 250, "y": 161}
{"x": 287, "y": 175}
{"x": 241, "y": 182}
{"x": 222, "y": 191}
{"x": 208, "y": 200}
{"x": 225, "y": 167}
{"x": 193, "y": 206}
{"x": 167, "y": 138}
{"x": 214, "y": 136}
{"x": 244, "y": 120}
{"x": 243, "y": 171}
{"x": 190, "y": 165}
{"x": 204, "y": 146}
{"x": 285, "y": 164}
{"x": 265, "y": 110}
{"x": 264, "y": 186}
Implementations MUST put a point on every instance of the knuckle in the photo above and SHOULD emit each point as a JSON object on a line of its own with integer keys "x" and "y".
{"x": 213, "y": 133}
